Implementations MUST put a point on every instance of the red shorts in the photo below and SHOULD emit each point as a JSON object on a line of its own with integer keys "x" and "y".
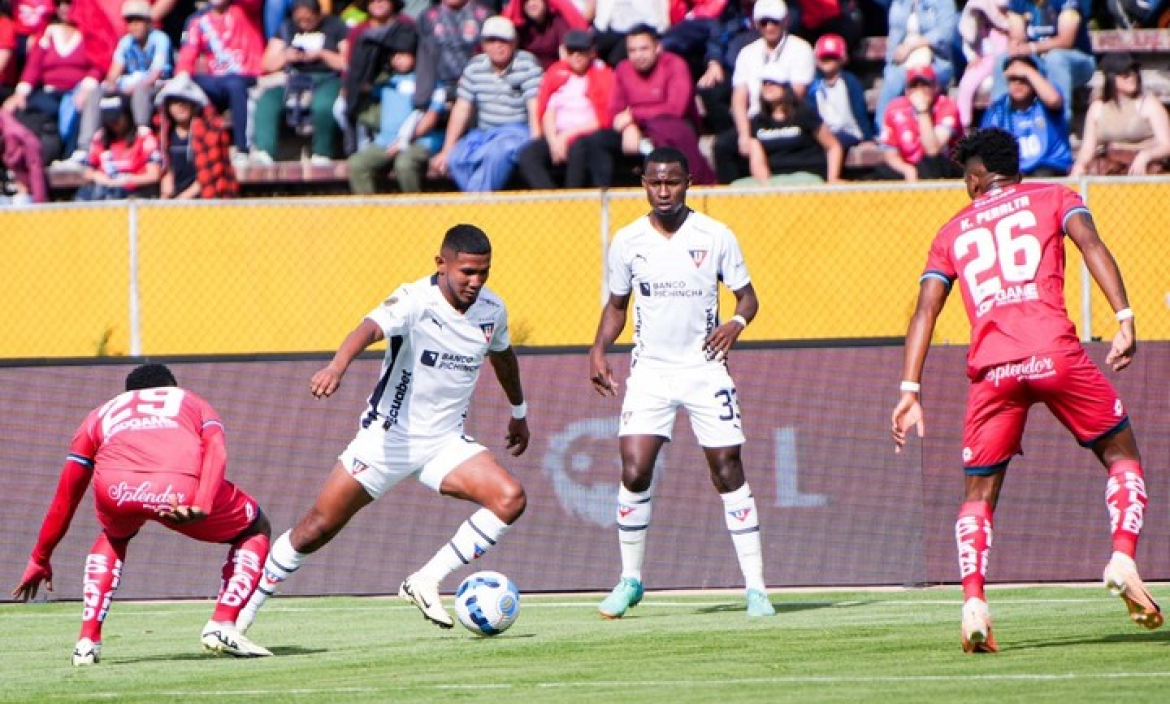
{"x": 1066, "y": 381}
{"x": 127, "y": 500}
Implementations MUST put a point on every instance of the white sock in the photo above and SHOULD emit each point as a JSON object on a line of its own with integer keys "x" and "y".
{"x": 475, "y": 536}
{"x": 743, "y": 522}
{"x": 282, "y": 561}
{"x": 633, "y": 519}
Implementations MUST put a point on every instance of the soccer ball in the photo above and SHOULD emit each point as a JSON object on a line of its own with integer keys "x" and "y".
{"x": 487, "y": 603}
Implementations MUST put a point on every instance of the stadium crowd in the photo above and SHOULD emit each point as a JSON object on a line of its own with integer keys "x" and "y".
{"x": 172, "y": 98}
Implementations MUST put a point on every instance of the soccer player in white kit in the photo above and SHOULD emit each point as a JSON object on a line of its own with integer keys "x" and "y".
{"x": 440, "y": 329}
{"x": 675, "y": 258}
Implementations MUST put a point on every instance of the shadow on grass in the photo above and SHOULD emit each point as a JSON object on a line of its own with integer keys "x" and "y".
{"x": 189, "y": 657}
{"x": 1131, "y": 637}
{"x": 781, "y": 607}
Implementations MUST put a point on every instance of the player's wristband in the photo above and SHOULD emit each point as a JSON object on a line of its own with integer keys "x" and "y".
{"x": 520, "y": 410}
{"x": 1124, "y": 314}
{"x": 912, "y": 387}
{"x": 737, "y": 318}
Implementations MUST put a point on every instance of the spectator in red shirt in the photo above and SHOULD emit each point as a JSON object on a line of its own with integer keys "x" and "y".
{"x": 8, "y": 57}
{"x": 194, "y": 145}
{"x": 919, "y": 130}
{"x": 60, "y": 81}
{"x": 573, "y": 102}
{"x": 225, "y": 39}
{"x": 541, "y": 26}
{"x": 653, "y": 106}
{"x": 123, "y": 161}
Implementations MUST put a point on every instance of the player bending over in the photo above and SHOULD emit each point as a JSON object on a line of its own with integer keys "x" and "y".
{"x": 1006, "y": 250}
{"x": 154, "y": 453}
{"x": 440, "y": 329}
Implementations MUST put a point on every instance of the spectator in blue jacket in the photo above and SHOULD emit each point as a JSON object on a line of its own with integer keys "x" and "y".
{"x": 1033, "y": 111}
{"x": 1055, "y": 33}
{"x": 837, "y": 95}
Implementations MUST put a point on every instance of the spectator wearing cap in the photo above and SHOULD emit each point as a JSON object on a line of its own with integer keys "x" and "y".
{"x": 838, "y": 96}
{"x": 450, "y": 35}
{"x": 573, "y": 103}
{"x": 790, "y": 142}
{"x": 123, "y": 161}
{"x": 20, "y": 155}
{"x": 541, "y": 26}
{"x": 497, "y": 92}
{"x": 229, "y": 48}
{"x": 613, "y": 20}
{"x": 919, "y": 131}
{"x": 1033, "y": 112}
{"x": 1055, "y": 33}
{"x": 309, "y": 53}
{"x": 60, "y": 81}
{"x": 142, "y": 60}
{"x": 922, "y": 33}
{"x": 1127, "y": 130}
{"x": 194, "y": 143}
{"x": 774, "y": 45}
{"x": 406, "y": 137}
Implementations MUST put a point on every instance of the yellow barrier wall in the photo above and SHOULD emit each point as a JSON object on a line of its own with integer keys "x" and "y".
{"x": 271, "y": 276}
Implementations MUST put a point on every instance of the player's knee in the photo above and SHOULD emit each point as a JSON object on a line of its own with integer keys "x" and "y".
{"x": 637, "y": 478}
{"x": 510, "y": 503}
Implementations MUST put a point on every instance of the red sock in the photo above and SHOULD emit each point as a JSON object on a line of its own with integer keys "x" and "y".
{"x": 1125, "y": 495}
{"x": 103, "y": 572}
{"x": 241, "y": 574}
{"x": 973, "y": 536}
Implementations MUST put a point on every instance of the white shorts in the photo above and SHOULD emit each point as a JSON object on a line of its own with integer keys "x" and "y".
{"x": 653, "y": 397}
{"x": 379, "y": 459}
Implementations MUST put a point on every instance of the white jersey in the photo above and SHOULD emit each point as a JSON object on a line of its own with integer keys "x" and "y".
{"x": 433, "y": 357}
{"x": 677, "y": 282}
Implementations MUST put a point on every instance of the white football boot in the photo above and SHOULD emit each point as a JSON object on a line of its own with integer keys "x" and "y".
{"x": 424, "y": 594}
{"x": 224, "y": 637}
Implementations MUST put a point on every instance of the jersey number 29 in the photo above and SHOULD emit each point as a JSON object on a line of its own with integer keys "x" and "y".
{"x": 164, "y": 401}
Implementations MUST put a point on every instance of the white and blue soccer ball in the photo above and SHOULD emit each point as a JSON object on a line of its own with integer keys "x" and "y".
{"x": 487, "y": 603}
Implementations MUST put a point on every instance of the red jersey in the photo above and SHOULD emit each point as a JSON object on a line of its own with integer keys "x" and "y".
{"x": 900, "y": 126}
{"x": 122, "y": 158}
{"x": 1006, "y": 249}
{"x": 149, "y": 430}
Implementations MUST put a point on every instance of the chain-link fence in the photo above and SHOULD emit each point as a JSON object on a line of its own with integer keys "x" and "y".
{"x": 286, "y": 276}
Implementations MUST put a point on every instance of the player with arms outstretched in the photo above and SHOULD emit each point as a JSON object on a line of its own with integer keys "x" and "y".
{"x": 676, "y": 257}
{"x": 1006, "y": 250}
{"x": 154, "y": 453}
{"x": 440, "y": 330}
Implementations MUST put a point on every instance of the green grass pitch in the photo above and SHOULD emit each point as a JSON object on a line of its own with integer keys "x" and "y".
{"x": 1059, "y": 644}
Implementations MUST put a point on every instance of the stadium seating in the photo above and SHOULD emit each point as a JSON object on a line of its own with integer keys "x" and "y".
{"x": 1152, "y": 46}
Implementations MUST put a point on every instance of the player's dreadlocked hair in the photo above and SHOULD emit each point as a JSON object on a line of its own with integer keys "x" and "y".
{"x": 996, "y": 148}
{"x": 468, "y": 239}
{"x": 150, "y": 376}
{"x": 666, "y": 155}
